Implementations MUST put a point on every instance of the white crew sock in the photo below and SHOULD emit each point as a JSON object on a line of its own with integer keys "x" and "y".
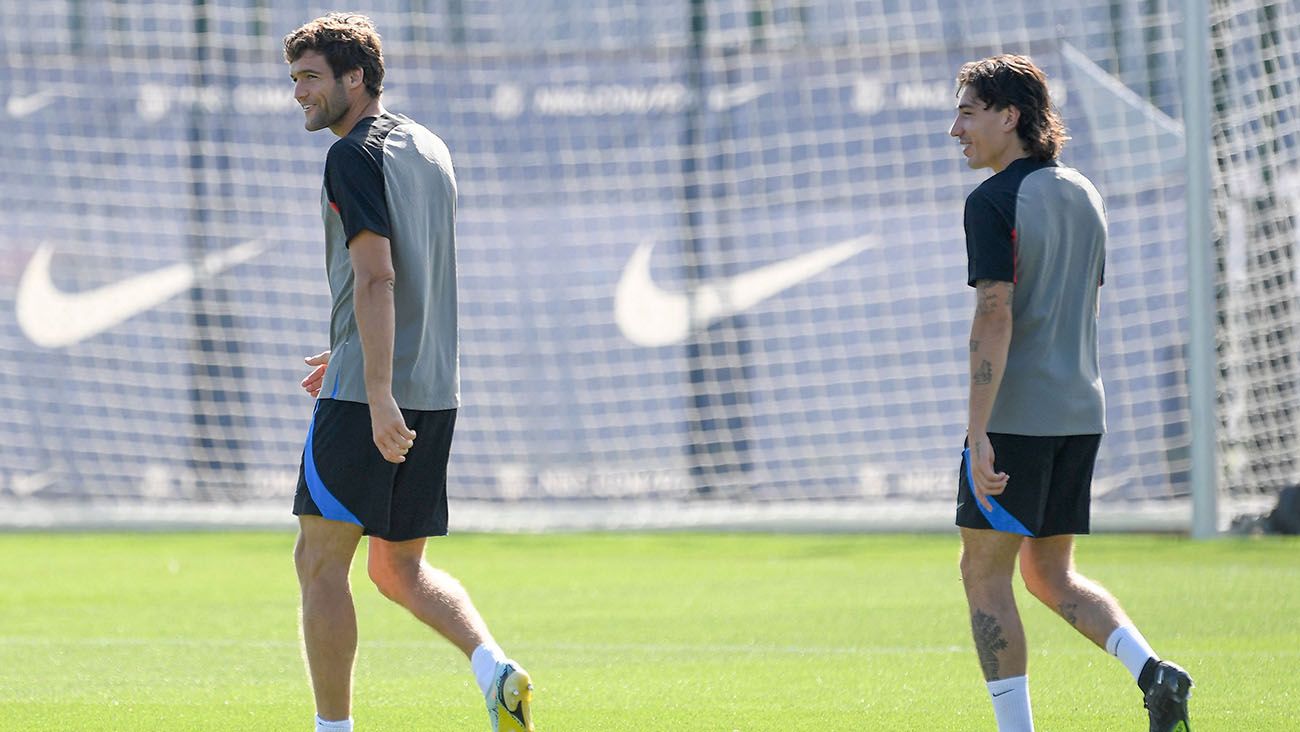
{"x": 343, "y": 725}
{"x": 484, "y": 662}
{"x": 1132, "y": 650}
{"x": 1011, "y": 704}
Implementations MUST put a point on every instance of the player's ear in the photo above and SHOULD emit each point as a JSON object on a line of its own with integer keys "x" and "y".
{"x": 1010, "y": 117}
{"x": 354, "y": 78}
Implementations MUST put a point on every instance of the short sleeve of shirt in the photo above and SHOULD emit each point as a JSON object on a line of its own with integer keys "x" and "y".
{"x": 990, "y": 241}
{"x": 354, "y": 183}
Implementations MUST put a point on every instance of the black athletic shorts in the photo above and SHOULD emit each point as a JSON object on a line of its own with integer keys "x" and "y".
{"x": 1049, "y": 483}
{"x": 344, "y": 477}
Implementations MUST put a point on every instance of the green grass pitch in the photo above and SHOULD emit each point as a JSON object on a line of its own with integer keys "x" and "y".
{"x": 666, "y": 632}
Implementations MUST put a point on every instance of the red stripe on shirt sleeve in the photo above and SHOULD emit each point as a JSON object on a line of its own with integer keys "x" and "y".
{"x": 1015, "y": 258}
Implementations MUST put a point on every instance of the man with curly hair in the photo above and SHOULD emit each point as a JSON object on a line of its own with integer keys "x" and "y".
{"x": 1036, "y": 247}
{"x": 375, "y": 461}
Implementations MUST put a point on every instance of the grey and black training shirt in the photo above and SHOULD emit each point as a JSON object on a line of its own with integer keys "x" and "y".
{"x": 393, "y": 177}
{"x": 1042, "y": 226}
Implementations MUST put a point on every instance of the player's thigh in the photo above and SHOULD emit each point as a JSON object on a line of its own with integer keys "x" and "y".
{"x": 987, "y": 554}
{"x": 343, "y": 476}
{"x": 1027, "y": 461}
{"x": 1068, "y": 506}
{"x": 390, "y": 558}
{"x": 324, "y": 545}
{"x": 419, "y": 498}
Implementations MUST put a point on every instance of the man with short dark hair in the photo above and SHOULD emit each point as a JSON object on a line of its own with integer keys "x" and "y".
{"x": 1035, "y": 242}
{"x": 375, "y": 462}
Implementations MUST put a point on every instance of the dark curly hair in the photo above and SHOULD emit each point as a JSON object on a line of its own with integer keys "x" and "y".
{"x": 347, "y": 41}
{"x": 1014, "y": 81}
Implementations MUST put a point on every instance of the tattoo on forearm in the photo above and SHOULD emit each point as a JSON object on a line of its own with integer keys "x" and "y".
{"x": 989, "y": 293}
{"x": 987, "y": 300}
{"x": 988, "y": 641}
{"x": 974, "y": 346}
{"x": 983, "y": 374}
{"x": 1070, "y": 611}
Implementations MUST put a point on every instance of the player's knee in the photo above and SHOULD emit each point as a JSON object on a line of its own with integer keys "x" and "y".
{"x": 387, "y": 582}
{"x": 391, "y": 576}
{"x": 313, "y": 565}
{"x": 302, "y": 561}
{"x": 1045, "y": 582}
{"x": 298, "y": 558}
{"x": 978, "y": 569}
{"x": 971, "y": 567}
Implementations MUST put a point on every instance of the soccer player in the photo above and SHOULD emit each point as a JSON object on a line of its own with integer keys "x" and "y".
{"x": 1035, "y": 242}
{"x": 375, "y": 461}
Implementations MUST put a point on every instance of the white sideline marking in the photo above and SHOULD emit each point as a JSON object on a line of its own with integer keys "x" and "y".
{"x": 423, "y": 646}
{"x": 568, "y": 647}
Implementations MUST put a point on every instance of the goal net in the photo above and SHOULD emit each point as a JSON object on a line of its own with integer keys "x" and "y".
{"x": 711, "y": 261}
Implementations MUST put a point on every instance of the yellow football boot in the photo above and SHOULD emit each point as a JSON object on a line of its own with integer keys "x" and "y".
{"x": 511, "y": 707}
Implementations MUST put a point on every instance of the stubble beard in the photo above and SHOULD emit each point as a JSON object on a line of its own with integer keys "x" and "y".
{"x": 334, "y": 108}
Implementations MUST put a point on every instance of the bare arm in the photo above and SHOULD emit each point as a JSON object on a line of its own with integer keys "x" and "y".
{"x": 372, "y": 268}
{"x": 990, "y": 339}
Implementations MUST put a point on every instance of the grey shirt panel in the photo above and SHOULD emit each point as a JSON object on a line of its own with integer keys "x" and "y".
{"x": 1052, "y": 384}
{"x": 417, "y": 186}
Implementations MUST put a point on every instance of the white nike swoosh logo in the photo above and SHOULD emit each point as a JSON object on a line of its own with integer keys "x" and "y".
{"x": 53, "y": 318}
{"x": 29, "y": 104}
{"x": 723, "y": 99}
{"x": 25, "y": 485}
{"x": 650, "y": 316}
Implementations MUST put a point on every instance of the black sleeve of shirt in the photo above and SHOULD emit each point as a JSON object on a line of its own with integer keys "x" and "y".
{"x": 990, "y": 241}
{"x": 354, "y": 183}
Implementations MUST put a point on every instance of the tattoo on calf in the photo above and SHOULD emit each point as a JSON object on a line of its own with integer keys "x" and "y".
{"x": 988, "y": 641}
{"x": 983, "y": 374}
{"x": 974, "y": 346}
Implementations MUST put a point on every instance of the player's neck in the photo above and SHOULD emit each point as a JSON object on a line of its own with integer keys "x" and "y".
{"x": 366, "y": 106}
{"x": 1011, "y": 155}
